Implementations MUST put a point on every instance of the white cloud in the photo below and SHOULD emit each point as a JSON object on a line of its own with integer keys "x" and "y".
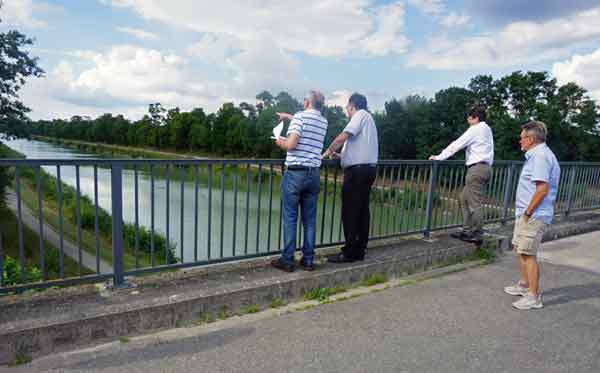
{"x": 518, "y": 43}
{"x": 19, "y": 13}
{"x": 429, "y": 7}
{"x": 138, "y": 33}
{"x": 125, "y": 79}
{"x": 581, "y": 69}
{"x": 214, "y": 48}
{"x": 388, "y": 37}
{"x": 319, "y": 27}
{"x": 454, "y": 19}
{"x": 438, "y": 10}
{"x": 249, "y": 66}
{"x": 338, "y": 98}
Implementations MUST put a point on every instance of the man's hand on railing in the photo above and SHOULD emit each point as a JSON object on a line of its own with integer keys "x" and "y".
{"x": 433, "y": 158}
{"x": 331, "y": 155}
{"x": 285, "y": 116}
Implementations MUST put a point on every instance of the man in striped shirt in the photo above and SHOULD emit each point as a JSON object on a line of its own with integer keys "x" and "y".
{"x": 301, "y": 183}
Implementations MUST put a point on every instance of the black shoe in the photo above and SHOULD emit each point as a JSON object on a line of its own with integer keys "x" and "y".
{"x": 472, "y": 238}
{"x": 307, "y": 266}
{"x": 282, "y": 265}
{"x": 340, "y": 258}
{"x": 458, "y": 235}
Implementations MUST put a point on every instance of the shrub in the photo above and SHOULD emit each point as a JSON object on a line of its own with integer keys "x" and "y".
{"x": 12, "y": 272}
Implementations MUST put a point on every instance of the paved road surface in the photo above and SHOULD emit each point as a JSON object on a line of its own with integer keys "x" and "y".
{"x": 457, "y": 323}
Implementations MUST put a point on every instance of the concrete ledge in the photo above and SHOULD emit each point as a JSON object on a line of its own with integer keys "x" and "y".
{"x": 59, "y": 321}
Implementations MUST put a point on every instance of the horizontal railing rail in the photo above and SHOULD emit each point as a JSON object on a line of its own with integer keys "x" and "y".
{"x": 99, "y": 219}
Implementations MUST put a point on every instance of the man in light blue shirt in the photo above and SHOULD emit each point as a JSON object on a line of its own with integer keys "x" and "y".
{"x": 536, "y": 193}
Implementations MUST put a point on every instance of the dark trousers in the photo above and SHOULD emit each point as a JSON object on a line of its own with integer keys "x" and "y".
{"x": 355, "y": 209}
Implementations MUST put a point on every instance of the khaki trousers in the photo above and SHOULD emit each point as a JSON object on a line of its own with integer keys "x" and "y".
{"x": 471, "y": 198}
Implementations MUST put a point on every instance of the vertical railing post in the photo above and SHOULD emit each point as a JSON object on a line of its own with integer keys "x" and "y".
{"x": 430, "y": 191}
{"x": 117, "y": 224}
{"x": 570, "y": 190}
{"x": 507, "y": 192}
{"x": 1, "y": 262}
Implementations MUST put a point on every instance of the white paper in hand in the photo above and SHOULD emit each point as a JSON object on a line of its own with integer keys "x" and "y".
{"x": 277, "y": 131}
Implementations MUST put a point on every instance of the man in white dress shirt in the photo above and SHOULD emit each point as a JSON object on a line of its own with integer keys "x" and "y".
{"x": 479, "y": 141}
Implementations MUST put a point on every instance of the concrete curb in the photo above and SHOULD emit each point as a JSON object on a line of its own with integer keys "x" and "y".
{"x": 85, "y": 331}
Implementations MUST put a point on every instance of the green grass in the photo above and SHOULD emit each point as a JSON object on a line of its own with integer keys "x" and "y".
{"x": 223, "y": 314}
{"x": 484, "y": 252}
{"x": 374, "y": 279}
{"x": 31, "y": 246}
{"x": 206, "y": 318}
{"x": 20, "y": 359}
{"x": 321, "y": 294}
{"x": 251, "y": 308}
{"x": 88, "y": 237}
{"x": 124, "y": 339}
{"x": 276, "y": 303}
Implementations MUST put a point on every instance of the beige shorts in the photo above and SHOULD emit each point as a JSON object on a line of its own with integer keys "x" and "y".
{"x": 527, "y": 236}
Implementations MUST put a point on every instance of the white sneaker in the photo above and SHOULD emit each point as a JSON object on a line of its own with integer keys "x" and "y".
{"x": 517, "y": 289}
{"x": 529, "y": 301}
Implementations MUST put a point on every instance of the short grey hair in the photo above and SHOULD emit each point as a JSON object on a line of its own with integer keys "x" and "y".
{"x": 316, "y": 99}
{"x": 536, "y": 129}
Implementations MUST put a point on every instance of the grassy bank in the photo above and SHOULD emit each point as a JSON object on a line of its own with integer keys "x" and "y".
{"x": 50, "y": 212}
{"x": 31, "y": 246}
{"x": 31, "y": 242}
{"x": 162, "y": 252}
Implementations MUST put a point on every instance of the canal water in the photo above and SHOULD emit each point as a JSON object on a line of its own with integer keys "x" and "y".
{"x": 245, "y": 227}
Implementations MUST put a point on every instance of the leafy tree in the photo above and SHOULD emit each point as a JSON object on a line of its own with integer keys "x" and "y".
{"x": 285, "y": 103}
{"x": 409, "y": 128}
{"x": 157, "y": 119}
{"x": 265, "y": 100}
{"x": 15, "y": 66}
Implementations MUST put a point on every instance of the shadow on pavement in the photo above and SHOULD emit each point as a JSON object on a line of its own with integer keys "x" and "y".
{"x": 566, "y": 294}
{"x": 160, "y": 351}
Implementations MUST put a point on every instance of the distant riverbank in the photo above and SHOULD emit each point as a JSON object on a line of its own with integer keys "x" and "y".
{"x": 112, "y": 150}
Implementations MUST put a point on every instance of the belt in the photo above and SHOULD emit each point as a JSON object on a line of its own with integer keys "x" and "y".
{"x": 299, "y": 168}
{"x": 361, "y": 165}
{"x": 475, "y": 164}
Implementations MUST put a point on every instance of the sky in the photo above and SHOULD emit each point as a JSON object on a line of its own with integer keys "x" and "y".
{"x": 118, "y": 56}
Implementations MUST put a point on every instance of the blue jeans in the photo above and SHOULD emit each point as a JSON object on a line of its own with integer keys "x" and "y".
{"x": 300, "y": 188}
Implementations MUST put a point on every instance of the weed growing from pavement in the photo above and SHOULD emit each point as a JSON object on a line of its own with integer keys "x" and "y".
{"x": 206, "y": 317}
{"x": 374, "y": 279}
{"x": 321, "y": 294}
{"x": 223, "y": 314}
{"x": 251, "y": 308}
{"x": 20, "y": 359}
{"x": 276, "y": 303}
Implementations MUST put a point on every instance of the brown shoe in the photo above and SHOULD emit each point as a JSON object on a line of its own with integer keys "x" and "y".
{"x": 307, "y": 266}
{"x": 282, "y": 265}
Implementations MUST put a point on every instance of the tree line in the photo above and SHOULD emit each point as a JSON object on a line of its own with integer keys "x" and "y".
{"x": 410, "y": 128}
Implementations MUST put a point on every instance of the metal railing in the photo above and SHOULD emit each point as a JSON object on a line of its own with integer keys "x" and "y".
{"x": 103, "y": 219}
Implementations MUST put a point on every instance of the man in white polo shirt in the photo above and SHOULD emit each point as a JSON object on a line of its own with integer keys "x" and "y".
{"x": 479, "y": 141}
{"x": 301, "y": 183}
{"x": 359, "y": 161}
